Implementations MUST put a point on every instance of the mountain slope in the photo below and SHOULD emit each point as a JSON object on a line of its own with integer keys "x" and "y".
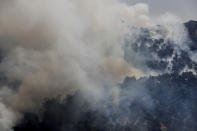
{"x": 165, "y": 102}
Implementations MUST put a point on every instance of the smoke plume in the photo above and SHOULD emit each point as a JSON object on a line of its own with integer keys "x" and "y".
{"x": 52, "y": 49}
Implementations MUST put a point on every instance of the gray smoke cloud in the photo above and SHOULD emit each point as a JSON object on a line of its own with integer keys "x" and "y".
{"x": 58, "y": 47}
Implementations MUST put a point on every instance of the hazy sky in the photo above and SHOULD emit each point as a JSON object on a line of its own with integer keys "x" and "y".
{"x": 185, "y": 9}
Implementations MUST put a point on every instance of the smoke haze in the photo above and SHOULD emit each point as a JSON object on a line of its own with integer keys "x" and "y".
{"x": 54, "y": 48}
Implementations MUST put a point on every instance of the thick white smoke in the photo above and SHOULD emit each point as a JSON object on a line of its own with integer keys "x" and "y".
{"x": 64, "y": 44}
{"x": 57, "y": 47}
{"x": 7, "y": 118}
